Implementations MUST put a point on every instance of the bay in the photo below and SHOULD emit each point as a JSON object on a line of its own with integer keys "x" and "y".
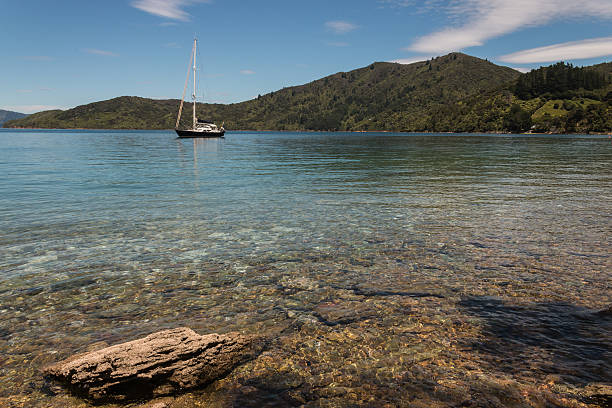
{"x": 399, "y": 269}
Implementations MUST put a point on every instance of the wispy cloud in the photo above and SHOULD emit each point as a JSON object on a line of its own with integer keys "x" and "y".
{"x": 44, "y": 89}
{"x": 482, "y": 20}
{"x": 396, "y": 3}
{"x": 411, "y": 60}
{"x": 338, "y": 44}
{"x": 104, "y": 53}
{"x": 38, "y": 58}
{"x": 172, "y": 9}
{"x": 31, "y": 108}
{"x": 219, "y": 97}
{"x": 417, "y": 6}
{"x": 341, "y": 27}
{"x": 247, "y": 72}
{"x": 591, "y": 48}
{"x": 168, "y": 24}
{"x": 521, "y": 69}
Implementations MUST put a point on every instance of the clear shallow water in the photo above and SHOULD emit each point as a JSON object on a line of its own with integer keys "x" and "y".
{"x": 414, "y": 270}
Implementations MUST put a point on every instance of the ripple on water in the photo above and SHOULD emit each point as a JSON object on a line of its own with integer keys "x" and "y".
{"x": 383, "y": 269}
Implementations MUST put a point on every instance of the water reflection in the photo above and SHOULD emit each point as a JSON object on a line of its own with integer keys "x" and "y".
{"x": 204, "y": 152}
{"x": 412, "y": 269}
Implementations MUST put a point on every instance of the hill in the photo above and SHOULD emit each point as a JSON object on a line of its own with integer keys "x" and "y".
{"x": 126, "y": 112}
{"x": 382, "y": 96}
{"x": 560, "y": 98}
{"x": 10, "y": 115}
{"x": 379, "y": 96}
{"x": 454, "y": 93}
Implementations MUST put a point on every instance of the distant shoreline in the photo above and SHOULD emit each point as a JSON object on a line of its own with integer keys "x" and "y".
{"x": 452, "y": 93}
{"x": 319, "y": 131}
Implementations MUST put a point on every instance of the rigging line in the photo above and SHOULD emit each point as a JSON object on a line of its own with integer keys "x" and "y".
{"x": 200, "y": 80}
{"x": 184, "y": 90}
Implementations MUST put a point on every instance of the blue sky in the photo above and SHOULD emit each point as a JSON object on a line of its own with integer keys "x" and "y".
{"x": 64, "y": 53}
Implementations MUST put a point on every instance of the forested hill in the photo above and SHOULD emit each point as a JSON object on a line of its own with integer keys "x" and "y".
{"x": 379, "y": 96}
{"x": 456, "y": 92}
{"x": 10, "y": 115}
{"x": 560, "y": 98}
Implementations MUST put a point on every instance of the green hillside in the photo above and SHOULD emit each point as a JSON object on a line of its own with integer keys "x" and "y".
{"x": 382, "y": 96}
{"x": 126, "y": 112}
{"x": 559, "y": 99}
{"x": 10, "y": 115}
{"x": 454, "y": 93}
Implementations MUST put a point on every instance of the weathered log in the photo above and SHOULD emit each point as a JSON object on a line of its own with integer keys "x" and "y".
{"x": 163, "y": 363}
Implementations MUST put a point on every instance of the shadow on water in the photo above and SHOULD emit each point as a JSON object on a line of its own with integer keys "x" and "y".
{"x": 273, "y": 390}
{"x": 560, "y": 339}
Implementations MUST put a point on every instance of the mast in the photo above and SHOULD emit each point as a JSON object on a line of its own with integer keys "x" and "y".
{"x": 178, "y": 119}
{"x": 194, "y": 82}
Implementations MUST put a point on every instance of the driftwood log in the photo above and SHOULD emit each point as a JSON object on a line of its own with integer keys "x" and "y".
{"x": 163, "y": 363}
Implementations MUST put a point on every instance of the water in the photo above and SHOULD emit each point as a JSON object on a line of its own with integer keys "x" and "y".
{"x": 406, "y": 270}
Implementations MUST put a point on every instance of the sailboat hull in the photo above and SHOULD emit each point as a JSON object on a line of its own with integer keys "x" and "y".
{"x": 190, "y": 134}
{"x": 200, "y": 128}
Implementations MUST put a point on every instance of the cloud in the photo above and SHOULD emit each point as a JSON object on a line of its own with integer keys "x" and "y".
{"x": 341, "y": 27}
{"x": 31, "y": 108}
{"x": 592, "y": 48}
{"x": 486, "y": 19}
{"x": 396, "y": 3}
{"x": 30, "y": 90}
{"x": 521, "y": 69}
{"x": 247, "y": 72}
{"x": 38, "y": 58}
{"x": 411, "y": 60}
{"x": 95, "y": 51}
{"x": 338, "y": 44}
{"x": 219, "y": 97}
{"x": 172, "y": 9}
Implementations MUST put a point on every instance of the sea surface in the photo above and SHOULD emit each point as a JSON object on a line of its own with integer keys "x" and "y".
{"x": 414, "y": 270}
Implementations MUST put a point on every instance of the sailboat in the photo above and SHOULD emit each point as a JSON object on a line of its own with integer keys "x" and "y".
{"x": 199, "y": 128}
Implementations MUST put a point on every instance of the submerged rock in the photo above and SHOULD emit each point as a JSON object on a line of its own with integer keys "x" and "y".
{"x": 163, "y": 363}
{"x": 605, "y": 312}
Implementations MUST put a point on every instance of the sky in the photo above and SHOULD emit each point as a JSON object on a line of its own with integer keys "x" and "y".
{"x": 64, "y": 53}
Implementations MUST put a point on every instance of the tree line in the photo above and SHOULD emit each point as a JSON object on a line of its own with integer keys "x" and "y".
{"x": 556, "y": 80}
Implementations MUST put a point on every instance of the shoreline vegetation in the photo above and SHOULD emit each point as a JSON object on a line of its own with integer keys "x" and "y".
{"x": 330, "y": 131}
{"x": 455, "y": 93}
